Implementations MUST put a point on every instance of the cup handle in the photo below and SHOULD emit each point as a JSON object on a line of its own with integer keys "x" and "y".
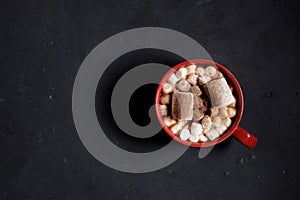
{"x": 244, "y": 137}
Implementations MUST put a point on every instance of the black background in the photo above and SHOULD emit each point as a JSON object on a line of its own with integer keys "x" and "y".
{"x": 43, "y": 44}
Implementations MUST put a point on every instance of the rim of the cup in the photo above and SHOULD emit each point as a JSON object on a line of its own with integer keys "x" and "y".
{"x": 236, "y": 88}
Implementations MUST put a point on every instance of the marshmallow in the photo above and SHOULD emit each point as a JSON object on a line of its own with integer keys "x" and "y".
{"x": 191, "y": 69}
{"x": 226, "y": 121}
{"x": 182, "y": 123}
{"x": 196, "y": 90}
{"x": 163, "y": 110}
{"x": 214, "y": 112}
{"x": 184, "y": 134}
{"x": 223, "y": 112}
{"x": 202, "y": 138}
{"x": 217, "y": 75}
{"x": 167, "y": 88}
{"x": 216, "y": 121}
{"x": 203, "y": 80}
{"x": 182, "y": 105}
{"x": 205, "y": 130}
{"x": 220, "y": 93}
{"x": 194, "y": 138}
{"x": 212, "y": 134}
{"x": 181, "y": 73}
{"x": 233, "y": 105}
{"x": 210, "y": 71}
{"x": 221, "y": 129}
{"x": 169, "y": 121}
{"x": 186, "y": 126}
{"x": 183, "y": 86}
{"x": 173, "y": 79}
{"x": 177, "y": 127}
{"x": 165, "y": 99}
{"x": 196, "y": 128}
{"x": 192, "y": 79}
{"x": 231, "y": 112}
{"x": 206, "y": 122}
{"x": 200, "y": 71}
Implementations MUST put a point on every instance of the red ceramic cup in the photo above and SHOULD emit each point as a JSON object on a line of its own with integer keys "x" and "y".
{"x": 235, "y": 130}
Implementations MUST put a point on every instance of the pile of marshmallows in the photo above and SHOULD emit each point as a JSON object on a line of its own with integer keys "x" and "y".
{"x": 192, "y": 114}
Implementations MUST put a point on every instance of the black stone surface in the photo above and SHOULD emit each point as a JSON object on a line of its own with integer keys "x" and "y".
{"x": 43, "y": 44}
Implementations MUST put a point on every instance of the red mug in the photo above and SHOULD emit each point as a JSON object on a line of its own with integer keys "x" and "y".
{"x": 235, "y": 130}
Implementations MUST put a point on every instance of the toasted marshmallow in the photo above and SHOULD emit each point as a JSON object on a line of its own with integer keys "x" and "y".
{"x": 192, "y": 79}
{"x": 165, "y": 99}
{"x": 196, "y": 90}
{"x": 169, "y": 121}
{"x": 206, "y": 122}
{"x": 217, "y": 75}
{"x": 176, "y": 128}
{"x": 163, "y": 110}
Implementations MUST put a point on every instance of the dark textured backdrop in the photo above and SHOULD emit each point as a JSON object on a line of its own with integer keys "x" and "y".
{"x": 42, "y": 46}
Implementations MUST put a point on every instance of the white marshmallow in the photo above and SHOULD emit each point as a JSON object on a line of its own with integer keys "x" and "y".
{"x": 214, "y": 112}
{"x": 173, "y": 80}
{"x": 196, "y": 128}
{"x": 212, "y": 134}
{"x": 194, "y": 138}
{"x": 202, "y": 138}
{"x": 181, "y": 73}
{"x": 182, "y": 123}
{"x": 226, "y": 121}
{"x": 176, "y": 128}
{"x": 231, "y": 112}
{"x": 210, "y": 71}
{"x": 200, "y": 71}
{"x": 203, "y": 79}
{"x": 167, "y": 88}
{"x": 185, "y": 134}
{"x": 223, "y": 112}
{"x": 205, "y": 130}
{"x": 216, "y": 121}
{"x": 221, "y": 129}
{"x": 191, "y": 69}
